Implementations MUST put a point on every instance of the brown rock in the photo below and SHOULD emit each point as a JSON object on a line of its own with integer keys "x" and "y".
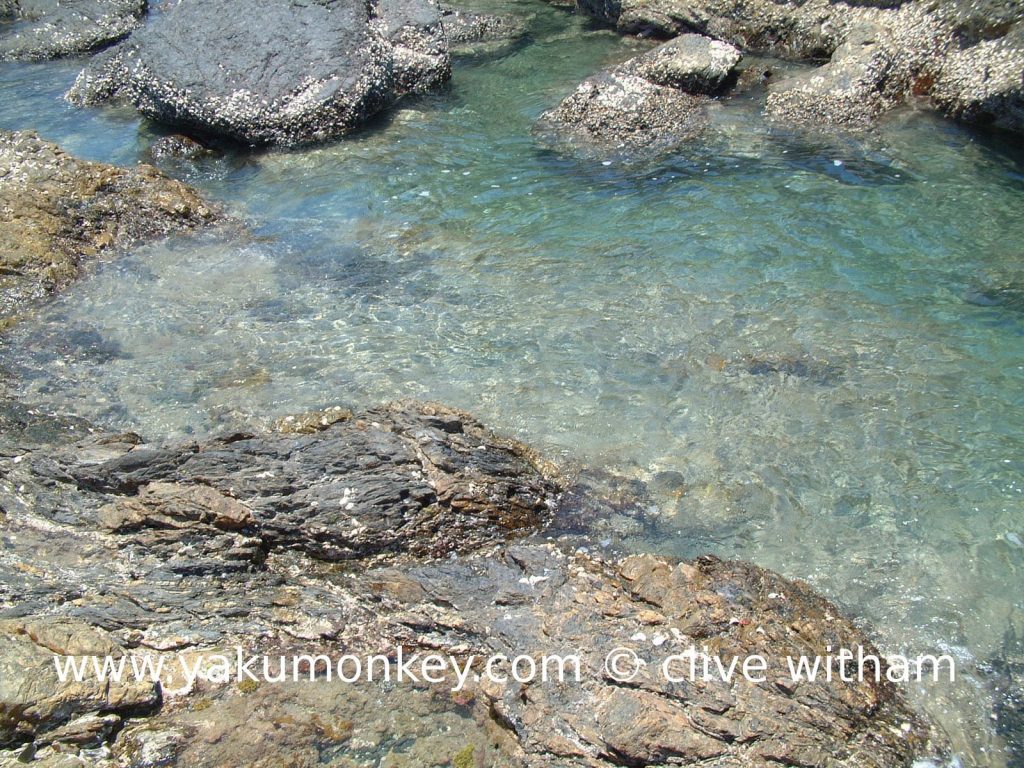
{"x": 33, "y": 700}
{"x": 56, "y": 211}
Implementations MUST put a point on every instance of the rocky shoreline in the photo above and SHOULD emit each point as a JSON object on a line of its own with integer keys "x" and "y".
{"x": 966, "y": 59}
{"x": 297, "y": 86}
{"x": 115, "y": 546}
{"x": 409, "y": 525}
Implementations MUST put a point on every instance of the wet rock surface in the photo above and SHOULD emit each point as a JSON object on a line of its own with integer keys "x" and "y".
{"x": 115, "y": 545}
{"x": 1006, "y": 674}
{"x": 652, "y": 102}
{"x": 469, "y": 32}
{"x": 57, "y": 211}
{"x": 402, "y": 479}
{"x": 308, "y": 71}
{"x": 49, "y": 29}
{"x": 179, "y": 147}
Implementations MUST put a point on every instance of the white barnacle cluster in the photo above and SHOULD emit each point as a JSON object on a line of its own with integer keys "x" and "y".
{"x": 990, "y": 68}
{"x": 347, "y": 500}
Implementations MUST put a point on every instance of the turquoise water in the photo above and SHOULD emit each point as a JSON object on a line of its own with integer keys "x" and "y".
{"x": 778, "y": 320}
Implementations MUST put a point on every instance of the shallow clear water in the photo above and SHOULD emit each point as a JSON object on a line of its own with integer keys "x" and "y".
{"x": 779, "y": 320}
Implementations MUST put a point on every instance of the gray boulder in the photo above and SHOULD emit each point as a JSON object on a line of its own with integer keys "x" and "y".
{"x": 691, "y": 63}
{"x": 279, "y": 72}
{"x": 967, "y": 55}
{"x": 49, "y": 29}
{"x": 810, "y": 29}
{"x": 890, "y": 55}
{"x": 653, "y": 102}
{"x": 865, "y": 77}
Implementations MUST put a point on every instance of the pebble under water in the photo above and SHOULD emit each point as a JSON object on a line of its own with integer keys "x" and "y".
{"x": 812, "y": 349}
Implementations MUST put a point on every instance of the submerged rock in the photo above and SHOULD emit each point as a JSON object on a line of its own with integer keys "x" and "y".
{"x": 816, "y": 371}
{"x": 654, "y": 101}
{"x": 57, "y": 211}
{"x": 280, "y": 72}
{"x": 49, "y": 29}
{"x": 178, "y": 147}
{"x": 468, "y": 31}
{"x": 1006, "y": 670}
{"x": 1009, "y": 296}
{"x": 23, "y": 428}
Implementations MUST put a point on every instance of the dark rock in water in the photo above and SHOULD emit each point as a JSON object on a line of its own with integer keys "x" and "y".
{"x": 1008, "y": 296}
{"x": 83, "y": 342}
{"x": 53, "y": 28}
{"x": 23, "y": 427}
{"x": 602, "y": 508}
{"x": 653, "y": 102}
{"x": 178, "y": 147}
{"x": 1007, "y": 674}
{"x": 816, "y": 371}
{"x": 468, "y": 31}
{"x": 57, "y": 211}
{"x": 840, "y": 157}
{"x": 184, "y": 549}
{"x": 279, "y": 72}
{"x": 404, "y": 478}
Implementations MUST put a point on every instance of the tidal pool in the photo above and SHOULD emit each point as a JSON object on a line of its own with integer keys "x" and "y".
{"x": 810, "y": 346}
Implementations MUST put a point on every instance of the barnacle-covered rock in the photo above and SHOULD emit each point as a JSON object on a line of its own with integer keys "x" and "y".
{"x": 652, "y": 102}
{"x": 49, "y": 29}
{"x": 280, "y": 72}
